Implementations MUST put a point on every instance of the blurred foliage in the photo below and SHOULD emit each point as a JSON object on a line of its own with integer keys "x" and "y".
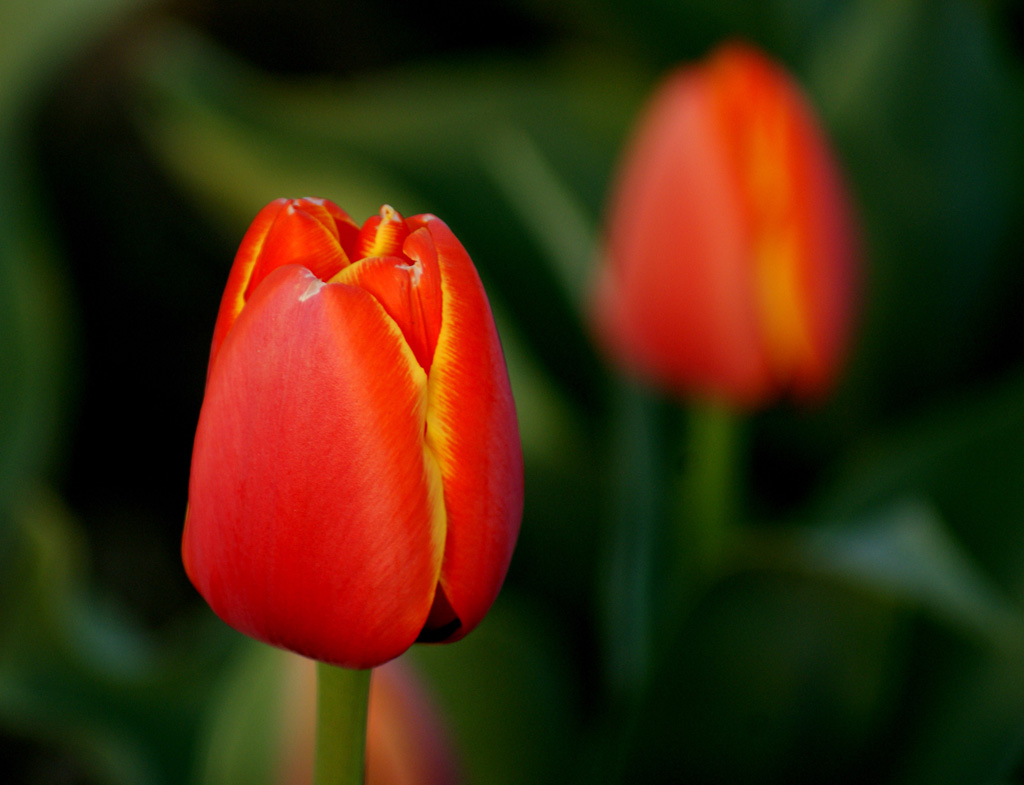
{"x": 865, "y": 624}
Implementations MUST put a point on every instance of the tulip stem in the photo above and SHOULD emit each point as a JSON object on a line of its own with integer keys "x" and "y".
{"x": 710, "y": 483}
{"x": 342, "y": 698}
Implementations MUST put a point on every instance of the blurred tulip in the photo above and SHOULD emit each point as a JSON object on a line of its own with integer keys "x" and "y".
{"x": 730, "y": 252}
{"x": 406, "y": 740}
{"x": 356, "y": 479}
{"x": 406, "y": 744}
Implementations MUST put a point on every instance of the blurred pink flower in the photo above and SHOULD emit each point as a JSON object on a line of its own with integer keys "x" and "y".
{"x": 407, "y": 742}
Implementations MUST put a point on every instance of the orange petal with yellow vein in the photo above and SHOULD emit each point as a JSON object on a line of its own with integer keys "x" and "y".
{"x": 310, "y": 523}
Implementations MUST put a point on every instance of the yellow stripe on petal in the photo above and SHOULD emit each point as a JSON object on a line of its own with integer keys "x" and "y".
{"x": 381, "y": 235}
{"x": 313, "y": 517}
{"x": 758, "y": 121}
{"x": 233, "y": 299}
{"x": 371, "y": 275}
{"x": 472, "y": 432}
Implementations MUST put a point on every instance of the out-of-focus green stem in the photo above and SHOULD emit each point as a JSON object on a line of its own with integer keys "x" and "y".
{"x": 637, "y": 513}
{"x": 635, "y": 495}
{"x": 342, "y": 698}
{"x": 710, "y": 485}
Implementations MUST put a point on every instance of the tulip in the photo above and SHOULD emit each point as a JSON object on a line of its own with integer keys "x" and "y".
{"x": 356, "y": 479}
{"x": 729, "y": 261}
{"x": 406, "y": 742}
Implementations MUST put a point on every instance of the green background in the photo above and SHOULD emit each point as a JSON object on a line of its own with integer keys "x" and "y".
{"x": 866, "y": 624}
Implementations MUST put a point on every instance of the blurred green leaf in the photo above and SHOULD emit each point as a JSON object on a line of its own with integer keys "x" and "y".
{"x": 41, "y": 660}
{"x": 811, "y": 628}
{"x": 235, "y": 164}
{"x": 38, "y": 37}
{"x": 774, "y": 678}
{"x": 244, "y": 738}
{"x": 510, "y": 694}
{"x": 426, "y": 138}
{"x": 904, "y": 554}
{"x": 560, "y": 225}
{"x": 36, "y": 40}
{"x": 552, "y": 431}
{"x": 33, "y": 337}
{"x": 966, "y": 458}
{"x": 634, "y": 528}
{"x": 79, "y": 677}
{"x": 964, "y": 719}
{"x": 969, "y": 726}
{"x": 43, "y": 563}
{"x": 926, "y": 116}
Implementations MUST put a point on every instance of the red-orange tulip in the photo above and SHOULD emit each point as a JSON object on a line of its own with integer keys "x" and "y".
{"x": 730, "y": 253}
{"x": 356, "y": 479}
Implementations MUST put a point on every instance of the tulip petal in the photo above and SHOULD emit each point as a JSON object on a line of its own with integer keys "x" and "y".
{"x": 303, "y": 233}
{"x": 684, "y": 315}
{"x": 410, "y": 292}
{"x": 758, "y": 124}
{"x": 313, "y": 519}
{"x": 233, "y": 299}
{"x": 381, "y": 235}
{"x": 311, "y": 232}
{"x": 473, "y": 433}
{"x": 827, "y": 264}
{"x": 801, "y": 233}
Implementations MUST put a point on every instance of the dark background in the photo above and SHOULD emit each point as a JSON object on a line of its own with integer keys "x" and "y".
{"x": 870, "y": 625}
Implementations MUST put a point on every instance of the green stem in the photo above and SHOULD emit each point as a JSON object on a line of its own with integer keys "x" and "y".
{"x": 342, "y": 697}
{"x": 636, "y": 487}
{"x": 710, "y": 483}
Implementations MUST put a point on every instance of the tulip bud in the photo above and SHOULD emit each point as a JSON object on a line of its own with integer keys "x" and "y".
{"x": 356, "y": 480}
{"x": 730, "y": 256}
